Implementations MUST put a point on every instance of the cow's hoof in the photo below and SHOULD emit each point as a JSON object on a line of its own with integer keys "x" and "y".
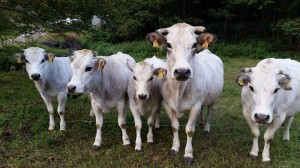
{"x": 96, "y": 147}
{"x": 189, "y": 161}
{"x": 173, "y": 153}
{"x": 138, "y": 150}
{"x": 253, "y": 157}
{"x": 268, "y": 162}
{"x": 150, "y": 143}
{"x": 206, "y": 132}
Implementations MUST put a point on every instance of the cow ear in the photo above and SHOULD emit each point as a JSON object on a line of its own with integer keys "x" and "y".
{"x": 49, "y": 56}
{"x": 157, "y": 39}
{"x": 242, "y": 80}
{"x": 284, "y": 82}
{"x": 19, "y": 58}
{"x": 160, "y": 72}
{"x": 95, "y": 53}
{"x": 71, "y": 58}
{"x": 130, "y": 64}
{"x": 101, "y": 63}
{"x": 205, "y": 40}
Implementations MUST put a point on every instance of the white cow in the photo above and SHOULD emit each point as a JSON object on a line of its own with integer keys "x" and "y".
{"x": 50, "y": 75}
{"x": 193, "y": 80}
{"x": 106, "y": 80}
{"x": 144, "y": 94}
{"x": 270, "y": 94}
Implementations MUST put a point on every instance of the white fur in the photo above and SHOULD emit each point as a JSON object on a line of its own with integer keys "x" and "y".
{"x": 285, "y": 103}
{"x": 107, "y": 87}
{"x": 143, "y": 71}
{"x": 54, "y": 78}
{"x": 202, "y": 88}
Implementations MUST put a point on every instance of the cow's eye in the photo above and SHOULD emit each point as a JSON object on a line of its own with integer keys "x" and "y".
{"x": 276, "y": 90}
{"x": 151, "y": 78}
{"x": 43, "y": 61}
{"x": 169, "y": 45}
{"x": 251, "y": 88}
{"x": 195, "y": 45}
{"x": 27, "y": 61}
{"x": 134, "y": 77}
{"x": 88, "y": 69}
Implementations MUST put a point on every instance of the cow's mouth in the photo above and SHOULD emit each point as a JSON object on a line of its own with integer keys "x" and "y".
{"x": 182, "y": 78}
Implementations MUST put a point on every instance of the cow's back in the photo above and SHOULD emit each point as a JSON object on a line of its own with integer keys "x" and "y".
{"x": 213, "y": 71}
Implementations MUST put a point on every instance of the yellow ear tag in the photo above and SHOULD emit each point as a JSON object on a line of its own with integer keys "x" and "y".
{"x": 241, "y": 82}
{"x": 160, "y": 74}
{"x": 101, "y": 65}
{"x": 205, "y": 45}
{"x": 50, "y": 58}
{"x": 19, "y": 61}
{"x": 155, "y": 44}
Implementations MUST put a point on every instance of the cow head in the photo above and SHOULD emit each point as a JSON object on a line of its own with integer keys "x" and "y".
{"x": 37, "y": 61}
{"x": 182, "y": 42}
{"x": 143, "y": 75}
{"x": 85, "y": 65}
{"x": 263, "y": 88}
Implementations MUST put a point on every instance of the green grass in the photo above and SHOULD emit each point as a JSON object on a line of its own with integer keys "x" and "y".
{"x": 26, "y": 142}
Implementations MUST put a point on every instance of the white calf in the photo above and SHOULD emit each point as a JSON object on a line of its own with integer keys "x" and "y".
{"x": 270, "y": 94}
{"x": 144, "y": 94}
{"x": 106, "y": 80}
{"x": 50, "y": 75}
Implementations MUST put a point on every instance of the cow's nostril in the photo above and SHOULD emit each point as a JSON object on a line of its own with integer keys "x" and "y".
{"x": 188, "y": 73}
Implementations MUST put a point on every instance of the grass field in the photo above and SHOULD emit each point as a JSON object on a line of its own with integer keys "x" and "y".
{"x": 26, "y": 142}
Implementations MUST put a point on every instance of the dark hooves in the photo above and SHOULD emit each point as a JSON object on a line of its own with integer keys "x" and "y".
{"x": 206, "y": 133}
{"x": 189, "y": 161}
{"x": 173, "y": 153}
{"x": 138, "y": 151}
{"x": 253, "y": 157}
{"x": 96, "y": 147}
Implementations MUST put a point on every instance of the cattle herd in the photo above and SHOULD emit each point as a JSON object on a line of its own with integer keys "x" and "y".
{"x": 187, "y": 81}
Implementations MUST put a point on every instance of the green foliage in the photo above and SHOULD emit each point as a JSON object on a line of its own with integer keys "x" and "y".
{"x": 290, "y": 27}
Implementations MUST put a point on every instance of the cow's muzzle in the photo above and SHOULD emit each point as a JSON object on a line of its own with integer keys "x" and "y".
{"x": 35, "y": 76}
{"x": 182, "y": 74}
{"x": 261, "y": 118}
{"x": 142, "y": 96}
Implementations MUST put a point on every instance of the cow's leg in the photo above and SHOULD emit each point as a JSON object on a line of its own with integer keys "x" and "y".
{"x": 190, "y": 129}
{"x": 99, "y": 123}
{"x": 201, "y": 118}
{"x": 62, "y": 100}
{"x": 255, "y": 134}
{"x": 150, "y": 122}
{"x": 268, "y": 137}
{"x": 209, "y": 113}
{"x": 49, "y": 105}
{"x": 157, "y": 123}
{"x": 175, "y": 127}
{"x": 286, "y": 135}
{"x": 121, "y": 120}
{"x": 138, "y": 127}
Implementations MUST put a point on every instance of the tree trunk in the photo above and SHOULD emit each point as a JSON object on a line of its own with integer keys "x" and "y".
{"x": 298, "y": 46}
{"x": 225, "y": 25}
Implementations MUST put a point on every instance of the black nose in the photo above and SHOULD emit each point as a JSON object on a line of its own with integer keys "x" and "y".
{"x": 142, "y": 96}
{"x": 261, "y": 118}
{"x": 71, "y": 88}
{"x": 35, "y": 76}
{"x": 182, "y": 74}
